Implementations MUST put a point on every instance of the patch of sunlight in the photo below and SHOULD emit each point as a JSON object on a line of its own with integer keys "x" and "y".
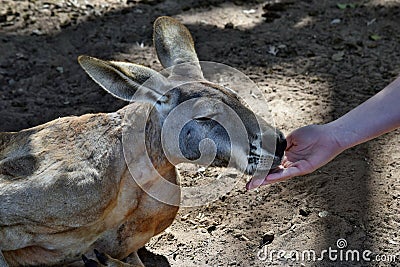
{"x": 386, "y": 3}
{"x": 297, "y": 102}
{"x": 226, "y": 15}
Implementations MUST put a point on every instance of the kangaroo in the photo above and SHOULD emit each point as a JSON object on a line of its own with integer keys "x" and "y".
{"x": 66, "y": 190}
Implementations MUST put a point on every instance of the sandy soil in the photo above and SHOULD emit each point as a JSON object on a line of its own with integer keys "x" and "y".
{"x": 313, "y": 60}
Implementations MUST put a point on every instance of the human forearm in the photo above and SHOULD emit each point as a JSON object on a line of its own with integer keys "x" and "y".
{"x": 313, "y": 146}
{"x": 378, "y": 115}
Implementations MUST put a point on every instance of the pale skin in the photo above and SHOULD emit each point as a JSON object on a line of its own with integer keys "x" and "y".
{"x": 313, "y": 146}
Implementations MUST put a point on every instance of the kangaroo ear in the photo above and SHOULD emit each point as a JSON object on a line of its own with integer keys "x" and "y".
{"x": 124, "y": 80}
{"x": 174, "y": 46}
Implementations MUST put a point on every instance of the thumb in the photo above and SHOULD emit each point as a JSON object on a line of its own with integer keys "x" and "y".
{"x": 283, "y": 174}
{"x": 254, "y": 183}
{"x": 289, "y": 141}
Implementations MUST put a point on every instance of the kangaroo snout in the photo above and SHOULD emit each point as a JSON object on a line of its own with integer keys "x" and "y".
{"x": 109, "y": 180}
{"x": 280, "y": 144}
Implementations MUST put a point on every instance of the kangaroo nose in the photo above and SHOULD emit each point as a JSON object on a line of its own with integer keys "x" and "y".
{"x": 280, "y": 145}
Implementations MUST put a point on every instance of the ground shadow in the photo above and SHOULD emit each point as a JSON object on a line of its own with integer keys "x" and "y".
{"x": 152, "y": 260}
{"x": 34, "y": 89}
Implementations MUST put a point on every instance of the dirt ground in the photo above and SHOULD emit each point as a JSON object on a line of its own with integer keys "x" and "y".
{"x": 313, "y": 60}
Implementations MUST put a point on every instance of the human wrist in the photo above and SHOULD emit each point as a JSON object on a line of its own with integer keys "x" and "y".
{"x": 342, "y": 137}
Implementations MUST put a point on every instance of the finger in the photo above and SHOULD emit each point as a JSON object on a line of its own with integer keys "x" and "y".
{"x": 254, "y": 183}
{"x": 257, "y": 181}
{"x": 287, "y": 163}
{"x": 289, "y": 141}
{"x": 282, "y": 175}
{"x": 284, "y": 160}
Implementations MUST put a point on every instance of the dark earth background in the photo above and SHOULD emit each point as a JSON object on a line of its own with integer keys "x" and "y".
{"x": 313, "y": 60}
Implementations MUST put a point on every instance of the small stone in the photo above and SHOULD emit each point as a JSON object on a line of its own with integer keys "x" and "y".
{"x": 60, "y": 69}
{"x": 3, "y": 18}
{"x": 203, "y": 231}
{"x": 10, "y": 18}
{"x": 323, "y": 214}
{"x": 229, "y": 25}
{"x": 11, "y": 82}
{"x": 211, "y": 228}
{"x": 304, "y": 212}
{"x": 20, "y": 55}
{"x": 46, "y": 12}
{"x": 37, "y": 32}
{"x": 170, "y": 236}
{"x": 338, "y": 56}
{"x": 249, "y": 11}
{"x": 267, "y": 239}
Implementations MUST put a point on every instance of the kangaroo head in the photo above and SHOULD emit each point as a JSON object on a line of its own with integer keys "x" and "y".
{"x": 194, "y": 109}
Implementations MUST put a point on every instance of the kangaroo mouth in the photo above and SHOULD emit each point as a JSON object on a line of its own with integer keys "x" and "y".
{"x": 262, "y": 164}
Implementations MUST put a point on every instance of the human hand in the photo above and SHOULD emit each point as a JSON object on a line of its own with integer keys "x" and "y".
{"x": 308, "y": 148}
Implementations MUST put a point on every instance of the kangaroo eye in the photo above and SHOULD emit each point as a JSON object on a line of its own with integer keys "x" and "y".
{"x": 202, "y": 119}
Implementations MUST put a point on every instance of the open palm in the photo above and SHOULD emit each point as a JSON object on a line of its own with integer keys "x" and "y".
{"x": 308, "y": 148}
